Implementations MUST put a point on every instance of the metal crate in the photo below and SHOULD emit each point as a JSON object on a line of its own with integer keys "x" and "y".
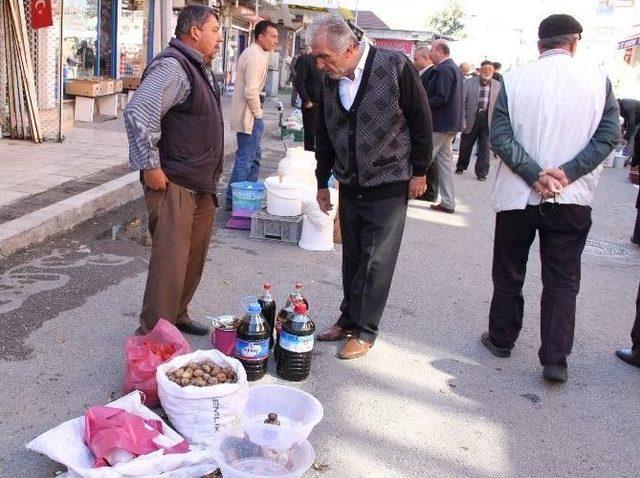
{"x": 266, "y": 227}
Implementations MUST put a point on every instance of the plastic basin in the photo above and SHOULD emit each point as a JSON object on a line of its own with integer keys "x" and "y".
{"x": 255, "y": 450}
{"x": 247, "y": 198}
{"x": 298, "y": 411}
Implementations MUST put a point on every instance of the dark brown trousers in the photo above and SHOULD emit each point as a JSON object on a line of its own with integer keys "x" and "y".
{"x": 180, "y": 224}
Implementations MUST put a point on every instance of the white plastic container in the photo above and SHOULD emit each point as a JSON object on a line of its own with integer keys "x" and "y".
{"x": 317, "y": 228}
{"x": 255, "y": 451}
{"x": 299, "y": 165}
{"x": 298, "y": 411}
{"x": 284, "y": 196}
{"x": 619, "y": 160}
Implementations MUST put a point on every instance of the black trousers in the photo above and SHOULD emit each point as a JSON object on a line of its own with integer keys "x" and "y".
{"x": 431, "y": 194}
{"x": 563, "y": 230}
{"x": 371, "y": 236}
{"x": 309, "y": 125}
{"x": 635, "y": 330}
{"x": 480, "y": 133}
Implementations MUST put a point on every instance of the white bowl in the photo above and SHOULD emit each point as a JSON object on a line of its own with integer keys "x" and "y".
{"x": 297, "y": 410}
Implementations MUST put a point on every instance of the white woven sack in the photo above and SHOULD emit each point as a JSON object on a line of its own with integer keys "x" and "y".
{"x": 65, "y": 444}
{"x": 199, "y": 413}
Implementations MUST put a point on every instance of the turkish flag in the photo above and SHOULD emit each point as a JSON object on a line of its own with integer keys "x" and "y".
{"x": 41, "y": 15}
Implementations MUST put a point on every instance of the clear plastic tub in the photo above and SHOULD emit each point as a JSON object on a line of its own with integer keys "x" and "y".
{"x": 297, "y": 411}
{"x": 255, "y": 450}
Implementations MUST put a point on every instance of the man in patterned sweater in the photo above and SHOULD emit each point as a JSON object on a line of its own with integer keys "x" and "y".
{"x": 175, "y": 131}
{"x": 374, "y": 134}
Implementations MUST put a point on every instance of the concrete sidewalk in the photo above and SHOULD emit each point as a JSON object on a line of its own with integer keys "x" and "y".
{"x": 49, "y": 188}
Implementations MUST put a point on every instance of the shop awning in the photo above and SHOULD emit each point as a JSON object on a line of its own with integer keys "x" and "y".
{"x": 632, "y": 41}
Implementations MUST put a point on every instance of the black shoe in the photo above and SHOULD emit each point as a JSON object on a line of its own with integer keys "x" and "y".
{"x": 497, "y": 351}
{"x": 555, "y": 373}
{"x": 192, "y": 328}
{"x": 629, "y": 356}
{"x": 140, "y": 332}
{"x": 482, "y": 178}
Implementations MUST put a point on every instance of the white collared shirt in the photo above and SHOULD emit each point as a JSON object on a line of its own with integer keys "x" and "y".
{"x": 424, "y": 70}
{"x": 349, "y": 88}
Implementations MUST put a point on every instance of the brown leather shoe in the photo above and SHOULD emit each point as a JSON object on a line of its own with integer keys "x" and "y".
{"x": 441, "y": 208}
{"x": 354, "y": 348}
{"x": 334, "y": 333}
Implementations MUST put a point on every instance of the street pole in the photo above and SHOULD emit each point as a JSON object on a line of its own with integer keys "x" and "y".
{"x": 60, "y": 75}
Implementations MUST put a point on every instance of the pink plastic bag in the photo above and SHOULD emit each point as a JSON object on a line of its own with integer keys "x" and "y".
{"x": 145, "y": 353}
{"x": 111, "y": 432}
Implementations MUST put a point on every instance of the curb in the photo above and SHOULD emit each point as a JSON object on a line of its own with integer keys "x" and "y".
{"x": 37, "y": 226}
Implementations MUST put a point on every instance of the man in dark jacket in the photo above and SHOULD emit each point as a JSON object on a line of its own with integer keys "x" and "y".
{"x": 175, "y": 131}
{"x": 632, "y": 355}
{"x": 630, "y": 112}
{"x": 424, "y": 64}
{"x": 445, "y": 100}
{"x": 309, "y": 85}
{"x": 374, "y": 135}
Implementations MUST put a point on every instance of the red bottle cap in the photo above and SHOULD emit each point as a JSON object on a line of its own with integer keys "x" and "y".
{"x": 298, "y": 285}
{"x": 300, "y": 308}
{"x": 267, "y": 286}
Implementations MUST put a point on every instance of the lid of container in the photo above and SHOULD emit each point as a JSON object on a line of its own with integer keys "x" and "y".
{"x": 300, "y": 308}
{"x": 267, "y": 286}
{"x": 255, "y": 308}
{"x": 298, "y": 285}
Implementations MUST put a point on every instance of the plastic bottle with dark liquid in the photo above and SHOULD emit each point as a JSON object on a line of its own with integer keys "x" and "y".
{"x": 295, "y": 345}
{"x": 252, "y": 342}
{"x": 268, "y": 305}
{"x": 287, "y": 311}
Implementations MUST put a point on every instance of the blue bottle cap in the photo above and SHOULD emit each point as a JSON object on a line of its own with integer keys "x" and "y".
{"x": 255, "y": 308}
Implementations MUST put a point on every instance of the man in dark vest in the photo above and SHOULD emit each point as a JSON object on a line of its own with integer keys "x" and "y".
{"x": 175, "y": 131}
{"x": 374, "y": 135}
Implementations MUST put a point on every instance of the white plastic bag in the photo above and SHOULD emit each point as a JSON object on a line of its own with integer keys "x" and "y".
{"x": 199, "y": 413}
{"x": 65, "y": 444}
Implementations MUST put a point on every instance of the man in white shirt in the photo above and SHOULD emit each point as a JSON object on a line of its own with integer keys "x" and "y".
{"x": 246, "y": 105}
{"x": 374, "y": 135}
{"x": 554, "y": 123}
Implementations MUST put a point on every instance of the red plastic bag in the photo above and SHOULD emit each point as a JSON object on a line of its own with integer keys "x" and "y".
{"x": 145, "y": 353}
{"x": 111, "y": 432}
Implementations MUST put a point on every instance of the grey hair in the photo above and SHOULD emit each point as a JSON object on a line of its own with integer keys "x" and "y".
{"x": 338, "y": 32}
{"x": 193, "y": 16}
{"x": 557, "y": 41}
{"x": 424, "y": 51}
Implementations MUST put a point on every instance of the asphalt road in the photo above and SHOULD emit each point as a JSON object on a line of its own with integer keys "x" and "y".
{"x": 428, "y": 400}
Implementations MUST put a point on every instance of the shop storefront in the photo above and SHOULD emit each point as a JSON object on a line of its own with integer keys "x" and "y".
{"x": 625, "y": 73}
{"x": 107, "y": 37}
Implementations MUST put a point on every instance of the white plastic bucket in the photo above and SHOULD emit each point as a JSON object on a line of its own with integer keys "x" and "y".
{"x": 618, "y": 160}
{"x": 317, "y": 227}
{"x": 284, "y": 198}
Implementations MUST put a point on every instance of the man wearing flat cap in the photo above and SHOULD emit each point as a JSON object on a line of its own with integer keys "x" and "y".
{"x": 554, "y": 123}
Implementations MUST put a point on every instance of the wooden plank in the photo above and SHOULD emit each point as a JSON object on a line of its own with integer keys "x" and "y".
{"x": 26, "y": 73}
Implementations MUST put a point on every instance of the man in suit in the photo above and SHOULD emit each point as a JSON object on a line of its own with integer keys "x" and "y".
{"x": 424, "y": 64}
{"x": 630, "y": 112}
{"x": 497, "y": 66}
{"x": 309, "y": 85}
{"x": 478, "y": 99}
{"x": 445, "y": 100}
